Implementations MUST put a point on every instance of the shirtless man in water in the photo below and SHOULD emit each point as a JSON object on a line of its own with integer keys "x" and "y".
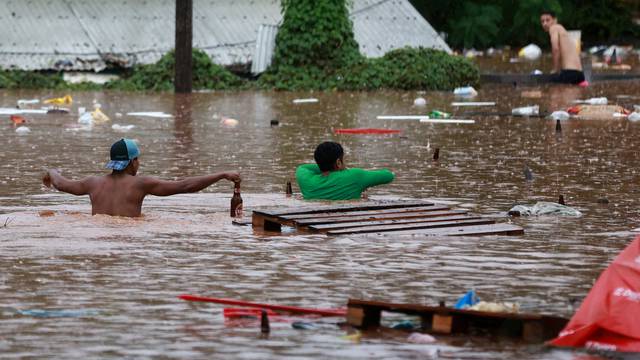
{"x": 121, "y": 193}
{"x": 566, "y": 59}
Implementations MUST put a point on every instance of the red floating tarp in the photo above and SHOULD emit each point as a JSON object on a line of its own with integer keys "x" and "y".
{"x": 609, "y": 317}
{"x": 374, "y": 131}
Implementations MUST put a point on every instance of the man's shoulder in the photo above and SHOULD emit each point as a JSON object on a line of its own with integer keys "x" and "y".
{"x": 557, "y": 28}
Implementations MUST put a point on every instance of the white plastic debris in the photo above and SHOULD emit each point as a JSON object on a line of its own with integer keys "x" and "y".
{"x": 14, "y": 111}
{"x": 420, "y": 101}
{"x": 530, "y": 52}
{"x": 23, "y": 130}
{"x": 25, "y": 102}
{"x": 229, "y": 122}
{"x": 156, "y": 114}
{"x": 560, "y": 115}
{"x": 634, "y": 116}
{"x": 448, "y": 121}
{"x": 593, "y": 101}
{"x": 122, "y": 128}
{"x": 402, "y": 117}
{"x": 85, "y": 118}
{"x": 304, "y": 101}
{"x": 498, "y": 307}
{"x": 419, "y": 338}
{"x": 465, "y": 91}
{"x": 526, "y": 110}
{"x": 536, "y": 72}
{"x": 545, "y": 208}
{"x": 471, "y": 103}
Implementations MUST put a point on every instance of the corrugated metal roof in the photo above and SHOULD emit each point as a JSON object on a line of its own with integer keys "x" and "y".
{"x": 265, "y": 46}
{"x": 87, "y": 34}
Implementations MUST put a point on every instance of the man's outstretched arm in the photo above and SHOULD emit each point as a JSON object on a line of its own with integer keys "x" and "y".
{"x": 153, "y": 186}
{"x": 59, "y": 182}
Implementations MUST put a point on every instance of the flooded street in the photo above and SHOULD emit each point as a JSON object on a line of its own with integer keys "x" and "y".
{"x": 118, "y": 279}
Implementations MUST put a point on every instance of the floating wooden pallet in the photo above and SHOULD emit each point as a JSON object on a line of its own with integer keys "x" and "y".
{"x": 403, "y": 217}
{"x": 446, "y": 320}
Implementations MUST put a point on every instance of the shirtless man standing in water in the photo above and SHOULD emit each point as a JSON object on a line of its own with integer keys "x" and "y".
{"x": 121, "y": 193}
{"x": 566, "y": 59}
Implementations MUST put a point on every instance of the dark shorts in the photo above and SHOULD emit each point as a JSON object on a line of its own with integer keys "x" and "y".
{"x": 568, "y": 77}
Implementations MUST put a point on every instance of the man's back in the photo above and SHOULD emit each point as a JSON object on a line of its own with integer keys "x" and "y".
{"x": 116, "y": 194}
{"x": 570, "y": 59}
{"x": 344, "y": 184}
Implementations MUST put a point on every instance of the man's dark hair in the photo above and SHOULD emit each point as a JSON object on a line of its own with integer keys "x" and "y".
{"x": 548, "y": 12}
{"x": 327, "y": 154}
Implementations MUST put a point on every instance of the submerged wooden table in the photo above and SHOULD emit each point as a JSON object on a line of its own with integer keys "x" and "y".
{"x": 397, "y": 217}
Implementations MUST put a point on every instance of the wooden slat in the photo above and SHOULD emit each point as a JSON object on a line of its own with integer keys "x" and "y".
{"x": 492, "y": 229}
{"x": 387, "y": 228}
{"x": 359, "y": 213}
{"x": 444, "y": 216}
{"x": 337, "y": 219}
{"x": 347, "y": 207}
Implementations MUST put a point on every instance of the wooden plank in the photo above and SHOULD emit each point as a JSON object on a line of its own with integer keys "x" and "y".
{"x": 446, "y": 216}
{"x": 359, "y": 213}
{"x": 492, "y": 229}
{"x": 531, "y": 327}
{"x": 387, "y": 228}
{"x": 336, "y": 219}
{"x": 319, "y": 208}
{"x": 269, "y": 223}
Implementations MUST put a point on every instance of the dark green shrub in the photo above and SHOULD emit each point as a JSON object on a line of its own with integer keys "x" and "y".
{"x": 159, "y": 76}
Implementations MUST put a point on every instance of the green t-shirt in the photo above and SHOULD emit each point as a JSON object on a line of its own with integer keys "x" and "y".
{"x": 338, "y": 185}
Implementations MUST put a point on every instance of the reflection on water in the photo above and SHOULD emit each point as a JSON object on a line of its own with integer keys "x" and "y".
{"x": 55, "y": 256}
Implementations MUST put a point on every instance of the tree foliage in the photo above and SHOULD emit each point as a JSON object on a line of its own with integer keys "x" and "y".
{"x": 473, "y": 23}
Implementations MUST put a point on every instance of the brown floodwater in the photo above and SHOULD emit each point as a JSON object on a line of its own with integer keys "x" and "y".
{"x": 114, "y": 282}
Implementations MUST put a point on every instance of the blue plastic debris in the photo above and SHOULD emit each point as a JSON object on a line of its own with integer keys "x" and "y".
{"x": 39, "y": 313}
{"x": 469, "y": 299}
{"x": 404, "y": 325}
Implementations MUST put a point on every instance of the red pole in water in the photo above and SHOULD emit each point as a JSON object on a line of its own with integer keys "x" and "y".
{"x": 184, "y": 33}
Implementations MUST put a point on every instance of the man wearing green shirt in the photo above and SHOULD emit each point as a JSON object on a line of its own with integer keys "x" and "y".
{"x": 329, "y": 179}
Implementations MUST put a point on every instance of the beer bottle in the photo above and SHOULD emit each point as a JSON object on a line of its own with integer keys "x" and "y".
{"x": 236, "y": 202}
{"x": 289, "y": 189}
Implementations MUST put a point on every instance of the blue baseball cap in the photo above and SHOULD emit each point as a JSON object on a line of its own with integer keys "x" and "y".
{"x": 122, "y": 152}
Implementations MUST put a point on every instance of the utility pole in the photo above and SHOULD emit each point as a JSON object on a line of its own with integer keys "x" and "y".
{"x": 184, "y": 34}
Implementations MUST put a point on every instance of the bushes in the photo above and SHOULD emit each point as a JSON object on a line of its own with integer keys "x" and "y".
{"x": 159, "y": 76}
{"x": 19, "y": 79}
{"x": 316, "y": 49}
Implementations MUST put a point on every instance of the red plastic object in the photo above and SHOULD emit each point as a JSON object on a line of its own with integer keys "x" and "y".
{"x": 584, "y": 84}
{"x": 281, "y": 308}
{"x": 574, "y": 110}
{"x": 246, "y": 312}
{"x": 17, "y": 119}
{"x": 374, "y": 131}
{"x": 608, "y": 317}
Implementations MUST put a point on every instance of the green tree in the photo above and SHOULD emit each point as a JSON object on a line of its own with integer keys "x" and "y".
{"x": 477, "y": 26}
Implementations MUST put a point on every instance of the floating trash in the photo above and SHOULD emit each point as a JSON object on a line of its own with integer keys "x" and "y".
{"x": 65, "y": 100}
{"x": 122, "y": 128}
{"x": 420, "y": 102}
{"x": 402, "y": 117}
{"x": 465, "y": 91}
{"x": 17, "y": 120}
{"x": 530, "y": 52}
{"x": 229, "y": 122}
{"x": 470, "y": 103}
{"x": 560, "y": 115}
{"x": 526, "y": 110}
{"x": 305, "y": 101}
{"x": 419, "y": 338}
{"x": 447, "y": 121}
{"x": 39, "y": 313}
{"x": 545, "y": 208}
{"x": 25, "y": 102}
{"x": 23, "y": 130}
{"x": 500, "y": 307}
{"x": 404, "y": 325}
{"x": 634, "y": 116}
{"x": 593, "y": 101}
{"x": 15, "y": 111}
{"x": 156, "y": 114}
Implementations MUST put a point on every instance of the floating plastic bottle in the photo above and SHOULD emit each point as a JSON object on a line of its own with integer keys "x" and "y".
{"x": 594, "y": 101}
{"x": 236, "y": 202}
{"x": 634, "y": 116}
{"x": 530, "y": 52}
{"x": 420, "y": 102}
{"x": 465, "y": 91}
{"x": 526, "y": 110}
{"x": 437, "y": 114}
